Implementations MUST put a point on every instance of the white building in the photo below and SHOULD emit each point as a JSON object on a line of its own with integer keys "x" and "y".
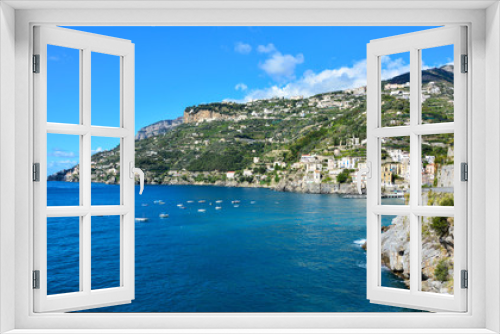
{"x": 306, "y": 158}
{"x": 230, "y": 175}
{"x": 317, "y": 176}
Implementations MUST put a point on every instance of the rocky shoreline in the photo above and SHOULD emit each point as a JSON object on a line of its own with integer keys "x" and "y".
{"x": 296, "y": 187}
{"x": 437, "y": 254}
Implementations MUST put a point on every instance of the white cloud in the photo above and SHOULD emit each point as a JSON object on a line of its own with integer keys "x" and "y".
{"x": 56, "y": 152}
{"x": 281, "y": 67}
{"x": 241, "y": 86}
{"x": 266, "y": 48}
{"x": 97, "y": 150}
{"x": 328, "y": 80}
{"x": 393, "y": 67}
{"x": 242, "y": 48}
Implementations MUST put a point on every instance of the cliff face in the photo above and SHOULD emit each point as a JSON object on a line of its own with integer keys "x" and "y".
{"x": 158, "y": 128}
{"x": 194, "y": 116}
{"x": 437, "y": 241}
{"x": 437, "y": 253}
{"x": 299, "y": 186}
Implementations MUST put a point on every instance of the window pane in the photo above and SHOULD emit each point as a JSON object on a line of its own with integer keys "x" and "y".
{"x": 105, "y": 90}
{"x": 105, "y": 171}
{"x": 63, "y": 170}
{"x": 437, "y": 84}
{"x": 63, "y": 85}
{"x": 105, "y": 252}
{"x": 63, "y": 255}
{"x": 438, "y": 170}
{"x": 395, "y": 99}
{"x": 395, "y": 168}
{"x": 437, "y": 254}
{"x": 395, "y": 252}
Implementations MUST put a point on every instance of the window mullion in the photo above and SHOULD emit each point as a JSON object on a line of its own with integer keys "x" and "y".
{"x": 85, "y": 181}
{"x": 415, "y": 169}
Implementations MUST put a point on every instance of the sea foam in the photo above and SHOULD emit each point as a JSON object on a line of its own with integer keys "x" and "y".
{"x": 360, "y": 242}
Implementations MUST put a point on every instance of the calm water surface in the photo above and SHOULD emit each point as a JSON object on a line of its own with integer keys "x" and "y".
{"x": 275, "y": 252}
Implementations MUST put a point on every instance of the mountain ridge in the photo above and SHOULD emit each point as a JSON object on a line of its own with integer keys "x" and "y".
{"x": 158, "y": 128}
{"x": 443, "y": 73}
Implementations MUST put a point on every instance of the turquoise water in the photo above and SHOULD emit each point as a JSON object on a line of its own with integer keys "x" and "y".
{"x": 275, "y": 252}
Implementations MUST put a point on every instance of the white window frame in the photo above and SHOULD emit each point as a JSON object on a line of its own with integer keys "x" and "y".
{"x": 414, "y": 43}
{"x": 86, "y": 44}
{"x": 483, "y": 102}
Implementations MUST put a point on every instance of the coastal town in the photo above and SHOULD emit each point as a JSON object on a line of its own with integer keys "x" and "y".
{"x": 311, "y": 144}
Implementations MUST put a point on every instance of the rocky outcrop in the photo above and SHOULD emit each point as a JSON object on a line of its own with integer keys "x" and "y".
{"x": 395, "y": 247}
{"x": 158, "y": 128}
{"x": 194, "y": 116}
{"x": 316, "y": 188}
{"x": 437, "y": 252}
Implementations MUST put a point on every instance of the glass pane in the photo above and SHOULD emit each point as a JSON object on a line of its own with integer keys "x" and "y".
{"x": 105, "y": 171}
{"x": 395, "y": 99}
{"x": 437, "y": 170}
{"x": 63, "y": 255}
{"x": 105, "y": 90}
{"x": 437, "y": 254}
{"x": 63, "y": 170}
{"x": 437, "y": 84}
{"x": 395, "y": 252}
{"x": 395, "y": 168}
{"x": 63, "y": 85}
{"x": 105, "y": 252}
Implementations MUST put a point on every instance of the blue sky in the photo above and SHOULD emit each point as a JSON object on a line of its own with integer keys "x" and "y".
{"x": 177, "y": 67}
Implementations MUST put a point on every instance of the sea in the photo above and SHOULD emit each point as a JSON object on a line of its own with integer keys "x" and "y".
{"x": 222, "y": 249}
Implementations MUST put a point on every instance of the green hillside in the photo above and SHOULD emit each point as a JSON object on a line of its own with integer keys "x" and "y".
{"x": 268, "y": 137}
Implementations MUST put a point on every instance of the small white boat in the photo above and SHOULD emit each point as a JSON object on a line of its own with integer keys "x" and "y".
{"x": 141, "y": 219}
{"x": 182, "y": 207}
{"x": 164, "y": 215}
{"x": 144, "y": 204}
{"x": 235, "y": 201}
{"x": 252, "y": 202}
{"x": 190, "y": 202}
{"x": 179, "y": 205}
{"x": 156, "y": 202}
{"x": 201, "y": 210}
{"x": 202, "y": 201}
{"x": 218, "y": 207}
{"x": 161, "y": 202}
{"x": 218, "y": 201}
{"x": 236, "y": 206}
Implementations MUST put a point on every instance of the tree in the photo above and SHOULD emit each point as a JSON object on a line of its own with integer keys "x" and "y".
{"x": 440, "y": 225}
{"x": 343, "y": 176}
{"x": 441, "y": 271}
